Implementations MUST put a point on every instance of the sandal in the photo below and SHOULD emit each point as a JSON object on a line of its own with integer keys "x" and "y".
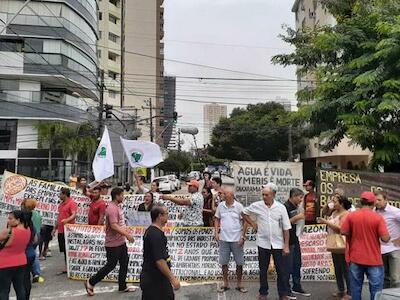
{"x": 241, "y": 289}
{"x": 129, "y": 289}
{"x": 223, "y": 289}
{"x": 89, "y": 290}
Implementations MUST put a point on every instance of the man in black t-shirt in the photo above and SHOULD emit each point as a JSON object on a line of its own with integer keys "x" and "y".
{"x": 294, "y": 257}
{"x": 156, "y": 277}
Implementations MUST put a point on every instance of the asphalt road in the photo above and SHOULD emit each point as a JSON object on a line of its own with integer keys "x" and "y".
{"x": 60, "y": 287}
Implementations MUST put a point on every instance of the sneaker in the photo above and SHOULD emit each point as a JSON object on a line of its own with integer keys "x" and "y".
{"x": 300, "y": 291}
{"x": 290, "y": 296}
{"x": 37, "y": 279}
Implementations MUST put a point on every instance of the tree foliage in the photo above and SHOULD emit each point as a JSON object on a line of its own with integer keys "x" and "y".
{"x": 356, "y": 64}
{"x": 74, "y": 140}
{"x": 176, "y": 162}
{"x": 258, "y": 132}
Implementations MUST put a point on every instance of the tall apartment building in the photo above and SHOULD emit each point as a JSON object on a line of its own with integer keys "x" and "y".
{"x": 48, "y": 71}
{"x": 143, "y": 64}
{"x": 170, "y": 134}
{"x": 109, "y": 49}
{"x": 212, "y": 113}
{"x": 311, "y": 14}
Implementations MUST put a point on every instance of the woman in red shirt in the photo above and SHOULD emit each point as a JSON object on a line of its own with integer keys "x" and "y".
{"x": 13, "y": 260}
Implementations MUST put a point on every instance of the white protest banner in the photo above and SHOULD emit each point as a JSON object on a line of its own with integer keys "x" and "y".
{"x": 142, "y": 153}
{"x": 250, "y": 176}
{"x": 103, "y": 162}
{"x": 194, "y": 253}
{"x": 16, "y": 188}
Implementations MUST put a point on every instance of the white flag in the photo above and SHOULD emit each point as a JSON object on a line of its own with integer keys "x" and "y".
{"x": 103, "y": 162}
{"x": 142, "y": 153}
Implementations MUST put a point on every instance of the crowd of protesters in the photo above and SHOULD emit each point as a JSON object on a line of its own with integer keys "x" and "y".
{"x": 363, "y": 241}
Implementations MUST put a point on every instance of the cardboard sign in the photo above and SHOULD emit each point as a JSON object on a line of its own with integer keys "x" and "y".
{"x": 250, "y": 176}
{"x": 355, "y": 182}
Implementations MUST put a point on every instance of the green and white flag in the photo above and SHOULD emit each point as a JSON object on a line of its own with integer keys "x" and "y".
{"x": 103, "y": 162}
{"x": 142, "y": 153}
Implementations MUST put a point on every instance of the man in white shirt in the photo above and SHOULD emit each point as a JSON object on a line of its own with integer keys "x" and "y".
{"x": 230, "y": 232}
{"x": 272, "y": 225}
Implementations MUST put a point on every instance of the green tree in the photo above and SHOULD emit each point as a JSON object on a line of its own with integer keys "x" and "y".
{"x": 259, "y": 132}
{"x": 176, "y": 162}
{"x": 356, "y": 92}
{"x": 73, "y": 140}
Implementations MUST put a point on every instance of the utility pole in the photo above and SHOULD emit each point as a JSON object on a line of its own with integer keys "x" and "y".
{"x": 290, "y": 143}
{"x": 101, "y": 104}
{"x": 122, "y": 78}
{"x": 179, "y": 140}
{"x": 151, "y": 121}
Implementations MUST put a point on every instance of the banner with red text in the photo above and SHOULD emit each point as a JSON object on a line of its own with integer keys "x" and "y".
{"x": 15, "y": 188}
{"x": 194, "y": 253}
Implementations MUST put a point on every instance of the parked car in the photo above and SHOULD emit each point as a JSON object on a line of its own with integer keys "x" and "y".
{"x": 175, "y": 181}
{"x": 194, "y": 175}
{"x": 165, "y": 185}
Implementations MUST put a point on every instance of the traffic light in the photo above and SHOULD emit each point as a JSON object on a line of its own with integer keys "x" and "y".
{"x": 107, "y": 109}
{"x": 175, "y": 116}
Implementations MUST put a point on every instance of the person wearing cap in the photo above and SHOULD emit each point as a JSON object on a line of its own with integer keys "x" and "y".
{"x": 272, "y": 225}
{"x": 310, "y": 203}
{"x": 390, "y": 251}
{"x": 364, "y": 230}
{"x": 193, "y": 214}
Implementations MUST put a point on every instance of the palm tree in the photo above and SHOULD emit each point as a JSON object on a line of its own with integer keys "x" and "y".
{"x": 71, "y": 139}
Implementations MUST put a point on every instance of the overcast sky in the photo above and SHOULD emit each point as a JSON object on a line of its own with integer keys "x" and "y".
{"x": 238, "y": 35}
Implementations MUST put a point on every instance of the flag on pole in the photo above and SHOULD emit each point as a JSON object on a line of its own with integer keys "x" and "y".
{"x": 142, "y": 153}
{"x": 103, "y": 162}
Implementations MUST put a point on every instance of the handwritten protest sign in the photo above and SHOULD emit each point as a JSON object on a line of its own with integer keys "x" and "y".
{"x": 355, "y": 182}
{"x": 16, "y": 188}
{"x": 249, "y": 176}
{"x": 194, "y": 253}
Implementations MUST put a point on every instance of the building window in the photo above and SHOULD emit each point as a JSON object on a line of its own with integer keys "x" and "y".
{"x": 113, "y": 37}
{"x": 112, "y": 94}
{"x": 99, "y": 53}
{"x": 112, "y": 19}
{"x": 112, "y": 56}
{"x": 11, "y": 46}
{"x": 100, "y": 16}
{"x": 100, "y": 34}
{"x": 112, "y": 75}
{"x": 8, "y": 134}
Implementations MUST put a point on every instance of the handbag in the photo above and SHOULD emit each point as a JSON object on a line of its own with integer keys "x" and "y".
{"x": 336, "y": 243}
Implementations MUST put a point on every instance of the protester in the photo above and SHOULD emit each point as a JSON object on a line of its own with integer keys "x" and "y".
{"x": 207, "y": 180}
{"x": 66, "y": 215}
{"x": 208, "y": 207}
{"x": 13, "y": 261}
{"x": 141, "y": 189}
{"x": 272, "y": 225}
{"x": 391, "y": 250}
{"x": 334, "y": 223}
{"x": 147, "y": 205}
{"x": 294, "y": 258}
{"x": 156, "y": 277}
{"x": 104, "y": 187}
{"x": 45, "y": 237}
{"x": 115, "y": 245}
{"x": 310, "y": 203}
{"x": 217, "y": 191}
{"x": 230, "y": 232}
{"x": 82, "y": 185}
{"x": 193, "y": 214}
{"x": 364, "y": 229}
{"x": 127, "y": 189}
{"x": 30, "y": 252}
{"x": 30, "y": 205}
{"x": 97, "y": 208}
